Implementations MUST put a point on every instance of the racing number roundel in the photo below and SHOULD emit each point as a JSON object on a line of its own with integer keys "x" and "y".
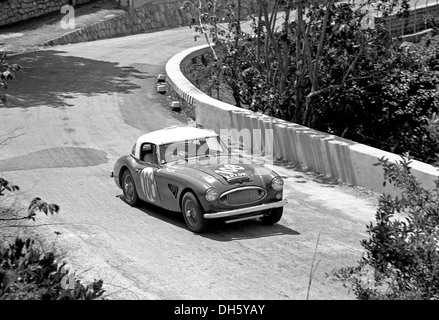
{"x": 148, "y": 184}
{"x": 229, "y": 168}
{"x": 231, "y": 172}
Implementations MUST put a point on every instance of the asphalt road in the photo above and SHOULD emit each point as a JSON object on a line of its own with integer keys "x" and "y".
{"x": 75, "y": 109}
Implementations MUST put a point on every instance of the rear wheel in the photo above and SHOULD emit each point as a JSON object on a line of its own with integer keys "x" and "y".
{"x": 129, "y": 189}
{"x": 193, "y": 213}
{"x": 272, "y": 216}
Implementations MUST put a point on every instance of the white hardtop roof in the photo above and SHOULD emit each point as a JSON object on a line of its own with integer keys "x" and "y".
{"x": 174, "y": 134}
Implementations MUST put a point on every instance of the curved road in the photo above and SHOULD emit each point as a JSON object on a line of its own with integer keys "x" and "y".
{"x": 75, "y": 109}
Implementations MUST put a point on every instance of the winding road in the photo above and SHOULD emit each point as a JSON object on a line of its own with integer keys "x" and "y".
{"x": 75, "y": 109}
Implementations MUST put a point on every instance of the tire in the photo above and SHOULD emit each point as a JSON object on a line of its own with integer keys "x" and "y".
{"x": 129, "y": 189}
{"x": 272, "y": 216}
{"x": 193, "y": 213}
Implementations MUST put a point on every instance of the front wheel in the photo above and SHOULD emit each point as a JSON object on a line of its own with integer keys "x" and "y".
{"x": 272, "y": 216}
{"x": 193, "y": 213}
{"x": 129, "y": 189}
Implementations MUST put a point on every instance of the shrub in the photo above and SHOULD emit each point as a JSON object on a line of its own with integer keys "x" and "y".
{"x": 401, "y": 260}
{"x": 393, "y": 111}
{"x": 27, "y": 273}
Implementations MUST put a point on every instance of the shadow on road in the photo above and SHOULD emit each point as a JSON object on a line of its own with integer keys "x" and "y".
{"x": 218, "y": 230}
{"x": 67, "y": 157}
{"x": 250, "y": 229}
{"x": 49, "y": 78}
{"x": 174, "y": 218}
{"x": 305, "y": 175}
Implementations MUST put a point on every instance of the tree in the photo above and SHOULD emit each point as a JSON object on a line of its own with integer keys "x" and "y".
{"x": 279, "y": 68}
{"x": 325, "y": 67}
{"x": 394, "y": 110}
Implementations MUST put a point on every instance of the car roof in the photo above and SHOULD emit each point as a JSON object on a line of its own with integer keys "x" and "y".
{"x": 175, "y": 134}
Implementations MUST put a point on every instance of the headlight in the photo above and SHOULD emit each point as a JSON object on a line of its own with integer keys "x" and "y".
{"x": 277, "y": 183}
{"x": 211, "y": 194}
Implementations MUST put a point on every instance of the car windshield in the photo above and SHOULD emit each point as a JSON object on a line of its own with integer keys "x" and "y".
{"x": 202, "y": 147}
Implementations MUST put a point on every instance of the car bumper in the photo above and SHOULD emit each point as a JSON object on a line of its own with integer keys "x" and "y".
{"x": 235, "y": 212}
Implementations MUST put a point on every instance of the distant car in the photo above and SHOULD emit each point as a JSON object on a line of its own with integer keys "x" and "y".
{"x": 191, "y": 170}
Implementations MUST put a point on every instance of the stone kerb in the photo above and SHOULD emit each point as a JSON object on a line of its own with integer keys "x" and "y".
{"x": 332, "y": 156}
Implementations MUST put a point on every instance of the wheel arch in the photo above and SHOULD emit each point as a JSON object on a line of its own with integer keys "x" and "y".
{"x": 182, "y": 194}
{"x": 121, "y": 172}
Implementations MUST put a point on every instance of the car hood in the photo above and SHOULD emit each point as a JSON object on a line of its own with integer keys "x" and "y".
{"x": 224, "y": 169}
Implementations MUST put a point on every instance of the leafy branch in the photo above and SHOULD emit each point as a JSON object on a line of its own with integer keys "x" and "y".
{"x": 6, "y": 185}
{"x": 36, "y": 205}
{"x": 7, "y": 73}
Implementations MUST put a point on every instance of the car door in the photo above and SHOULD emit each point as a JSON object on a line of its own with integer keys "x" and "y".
{"x": 146, "y": 168}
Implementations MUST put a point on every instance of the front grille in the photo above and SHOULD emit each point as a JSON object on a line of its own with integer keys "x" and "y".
{"x": 245, "y": 195}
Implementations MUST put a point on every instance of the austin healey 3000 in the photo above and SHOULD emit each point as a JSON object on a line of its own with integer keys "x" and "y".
{"x": 191, "y": 170}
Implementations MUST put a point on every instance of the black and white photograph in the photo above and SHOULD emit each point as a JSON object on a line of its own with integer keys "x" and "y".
{"x": 218, "y": 157}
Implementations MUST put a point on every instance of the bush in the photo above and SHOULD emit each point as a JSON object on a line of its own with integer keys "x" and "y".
{"x": 392, "y": 111}
{"x": 27, "y": 273}
{"x": 402, "y": 256}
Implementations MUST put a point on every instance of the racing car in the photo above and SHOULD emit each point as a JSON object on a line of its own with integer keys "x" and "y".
{"x": 192, "y": 171}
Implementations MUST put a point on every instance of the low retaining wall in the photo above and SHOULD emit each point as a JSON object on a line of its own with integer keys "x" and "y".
{"x": 12, "y": 11}
{"x": 320, "y": 152}
{"x": 153, "y": 16}
{"x": 142, "y": 16}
